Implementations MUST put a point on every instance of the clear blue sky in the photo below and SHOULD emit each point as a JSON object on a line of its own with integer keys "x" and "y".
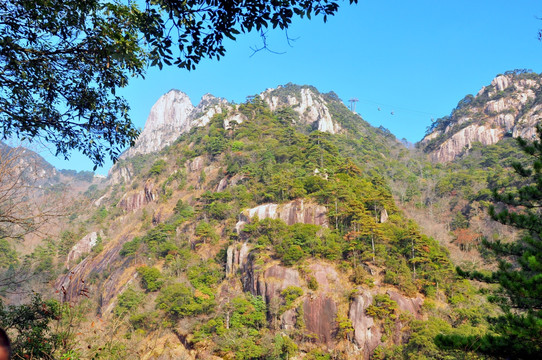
{"x": 416, "y": 58}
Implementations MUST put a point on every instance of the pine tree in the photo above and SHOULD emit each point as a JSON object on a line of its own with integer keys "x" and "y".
{"x": 518, "y": 332}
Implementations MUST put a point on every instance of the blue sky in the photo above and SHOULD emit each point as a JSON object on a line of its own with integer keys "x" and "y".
{"x": 415, "y": 58}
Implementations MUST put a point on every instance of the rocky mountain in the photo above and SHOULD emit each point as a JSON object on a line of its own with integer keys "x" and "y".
{"x": 172, "y": 115}
{"x": 307, "y": 102}
{"x": 509, "y": 107}
{"x": 273, "y": 229}
{"x": 259, "y": 230}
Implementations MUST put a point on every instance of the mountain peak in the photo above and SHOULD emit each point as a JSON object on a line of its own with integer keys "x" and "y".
{"x": 510, "y": 106}
{"x": 309, "y": 104}
{"x": 173, "y": 114}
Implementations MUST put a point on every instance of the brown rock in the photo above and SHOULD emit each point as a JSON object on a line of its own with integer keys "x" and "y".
{"x": 83, "y": 246}
{"x": 75, "y": 285}
{"x": 407, "y": 304}
{"x": 325, "y": 275}
{"x": 320, "y": 315}
{"x": 236, "y": 258}
{"x": 133, "y": 201}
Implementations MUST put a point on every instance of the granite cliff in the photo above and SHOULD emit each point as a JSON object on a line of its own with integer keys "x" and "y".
{"x": 170, "y": 117}
{"x": 510, "y": 106}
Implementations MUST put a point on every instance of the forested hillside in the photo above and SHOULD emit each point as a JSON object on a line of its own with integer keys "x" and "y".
{"x": 278, "y": 228}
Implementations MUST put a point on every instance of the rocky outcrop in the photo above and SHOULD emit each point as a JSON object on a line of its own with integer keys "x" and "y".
{"x": 384, "y": 216}
{"x": 135, "y": 200}
{"x": 271, "y": 282}
{"x": 320, "y": 310}
{"x": 462, "y": 140}
{"x": 367, "y": 333}
{"x": 320, "y": 317}
{"x": 407, "y": 304}
{"x": 296, "y": 211}
{"x": 195, "y": 165}
{"x": 172, "y": 115}
{"x": 510, "y": 106}
{"x": 236, "y": 258}
{"x": 83, "y": 246}
{"x": 115, "y": 270}
{"x": 307, "y": 102}
{"x": 120, "y": 173}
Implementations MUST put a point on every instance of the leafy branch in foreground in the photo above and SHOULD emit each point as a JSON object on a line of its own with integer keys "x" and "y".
{"x": 62, "y": 61}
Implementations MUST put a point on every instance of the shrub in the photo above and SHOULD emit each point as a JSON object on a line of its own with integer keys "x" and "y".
{"x": 179, "y": 301}
{"x": 151, "y": 278}
{"x": 312, "y": 283}
{"x": 128, "y": 301}
{"x": 290, "y": 294}
{"x": 158, "y": 167}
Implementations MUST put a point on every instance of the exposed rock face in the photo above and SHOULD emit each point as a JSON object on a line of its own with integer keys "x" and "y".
{"x": 135, "y": 200}
{"x": 326, "y": 276}
{"x": 118, "y": 174}
{"x": 509, "y": 106}
{"x": 384, "y": 216}
{"x": 296, "y": 211}
{"x": 75, "y": 284}
{"x": 237, "y": 256}
{"x": 407, "y": 304}
{"x": 83, "y": 246}
{"x": 367, "y": 334}
{"x": 172, "y": 115}
{"x": 464, "y": 139}
{"x": 310, "y": 106}
{"x": 195, "y": 165}
{"x": 272, "y": 282}
{"x": 320, "y": 317}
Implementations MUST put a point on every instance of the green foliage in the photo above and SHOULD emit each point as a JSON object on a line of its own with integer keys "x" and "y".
{"x": 205, "y": 275}
{"x": 179, "y": 300}
{"x": 248, "y": 312}
{"x": 206, "y": 233}
{"x": 151, "y": 278}
{"x": 127, "y": 302}
{"x": 515, "y": 333}
{"x": 158, "y": 167}
{"x": 345, "y": 328}
{"x": 312, "y": 284}
{"x": 29, "y": 327}
{"x": 383, "y": 307}
{"x": 66, "y": 242}
{"x": 100, "y": 215}
{"x": 290, "y": 294}
{"x": 8, "y": 255}
{"x": 318, "y": 354}
{"x": 145, "y": 320}
{"x": 183, "y": 210}
{"x": 238, "y": 329}
{"x": 131, "y": 247}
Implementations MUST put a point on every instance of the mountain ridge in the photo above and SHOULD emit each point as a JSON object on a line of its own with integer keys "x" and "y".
{"x": 509, "y": 107}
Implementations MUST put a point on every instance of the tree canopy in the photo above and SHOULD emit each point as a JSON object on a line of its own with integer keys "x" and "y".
{"x": 62, "y": 61}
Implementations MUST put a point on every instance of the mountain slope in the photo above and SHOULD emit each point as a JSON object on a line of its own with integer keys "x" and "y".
{"x": 258, "y": 236}
{"x": 510, "y": 106}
